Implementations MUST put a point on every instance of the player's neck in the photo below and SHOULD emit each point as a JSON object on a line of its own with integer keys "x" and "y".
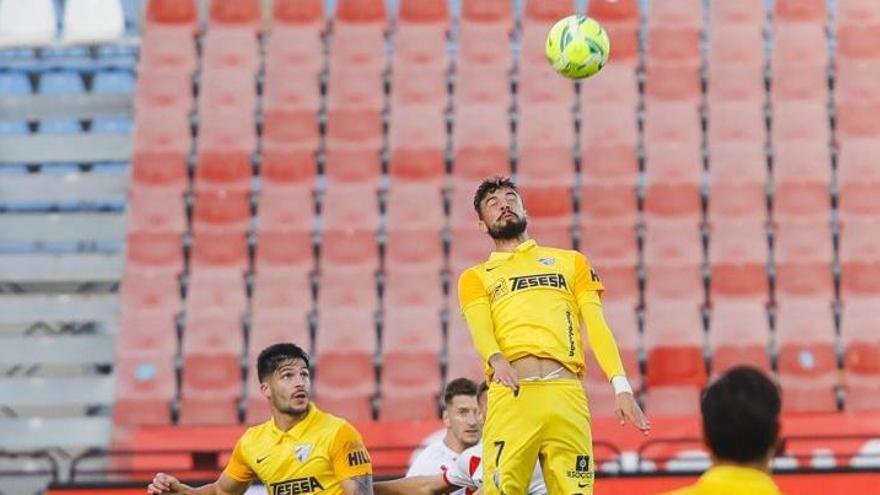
{"x": 453, "y": 443}
{"x": 509, "y": 245}
{"x": 285, "y": 421}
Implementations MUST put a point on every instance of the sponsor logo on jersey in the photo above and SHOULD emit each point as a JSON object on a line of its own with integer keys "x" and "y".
{"x": 296, "y": 486}
{"x": 581, "y": 469}
{"x": 555, "y": 280}
{"x": 358, "y": 458}
{"x": 548, "y": 261}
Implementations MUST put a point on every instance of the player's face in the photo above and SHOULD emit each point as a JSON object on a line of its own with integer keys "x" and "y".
{"x": 288, "y": 388}
{"x": 502, "y": 214}
{"x": 464, "y": 420}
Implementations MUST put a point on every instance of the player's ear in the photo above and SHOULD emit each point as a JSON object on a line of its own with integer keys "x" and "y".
{"x": 446, "y": 422}
{"x": 483, "y": 227}
{"x": 264, "y": 389}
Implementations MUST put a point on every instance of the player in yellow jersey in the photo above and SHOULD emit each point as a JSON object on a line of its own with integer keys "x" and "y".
{"x": 300, "y": 450}
{"x": 523, "y": 308}
{"x": 741, "y": 430}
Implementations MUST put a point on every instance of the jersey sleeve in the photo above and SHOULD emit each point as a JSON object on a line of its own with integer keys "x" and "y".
{"x": 349, "y": 455}
{"x": 238, "y": 468}
{"x": 460, "y": 473}
{"x": 601, "y": 339}
{"x": 475, "y": 308}
{"x": 586, "y": 280}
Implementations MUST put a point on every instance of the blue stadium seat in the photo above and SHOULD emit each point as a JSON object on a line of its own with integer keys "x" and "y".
{"x": 117, "y": 57}
{"x": 113, "y": 82}
{"x": 14, "y": 83}
{"x": 15, "y": 127}
{"x": 61, "y": 82}
{"x": 121, "y": 125}
{"x": 60, "y": 126}
{"x": 70, "y": 57}
{"x": 20, "y": 58}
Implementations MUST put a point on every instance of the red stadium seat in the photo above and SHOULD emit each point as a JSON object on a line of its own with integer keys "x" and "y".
{"x": 865, "y": 10}
{"x": 672, "y": 242}
{"x": 462, "y": 358}
{"x": 227, "y": 210}
{"x": 173, "y": 12}
{"x": 485, "y": 44}
{"x": 219, "y": 250}
{"x": 624, "y": 36}
{"x": 285, "y": 207}
{"x": 739, "y": 334}
{"x": 858, "y": 178}
{"x": 467, "y": 247}
{"x": 358, "y": 46}
{"x": 145, "y": 333}
{"x": 672, "y": 200}
{"x": 208, "y": 411}
{"x": 163, "y": 130}
{"x": 604, "y": 125}
{"x": 615, "y": 202}
{"x": 419, "y": 86}
{"x": 421, "y": 45}
{"x": 735, "y": 83}
{"x": 270, "y": 327}
{"x": 546, "y": 11}
{"x": 413, "y": 248}
{"x": 170, "y": 48}
{"x": 279, "y": 290}
{"x": 163, "y": 88}
{"x": 345, "y": 348}
{"x": 212, "y": 289}
{"x": 672, "y": 121}
{"x": 806, "y": 357}
{"x": 144, "y": 389}
{"x": 668, "y": 43}
{"x": 239, "y": 13}
{"x": 486, "y": 10}
{"x": 297, "y": 12}
{"x": 419, "y": 288}
{"x": 855, "y": 81}
{"x": 351, "y": 248}
{"x": 160, "y": 168}
{"x": 349, "y": 163}
{"x": 738, "y": 257}
{"x": 350, "y": 207}
{"x": 423, "y": 12}
{"x": 149, "y": 290}
{"x": 621, "y": 282}
{"x": 605, "y": 241}
{"x": 687, "y": 13}
{"x": 804, "y": 42}
{"x": 231, "y": 47}
{"x": 616, "y": 163}
{"x": 154, "y": 249}
{"x": 417, "y": 142}
{"x": 859, "y": 257}
{"x": 800, "y": 121}
{"x": 614, "y": 10}
{"x": 861, "y": 349}
{"x": 414, "y": 206}
{"x": 549, "y": 201}
{"x": 353, "y": 406}
{"x": 347, "y": 87}
{"x": 805, "y": 11}
{"x": 481, "y": 85}
{"x": 295, "y": 49}
{"x": 738, "y": 173}
{"x": 613, "y": 85}
{"x": 675, "y": 282}
{"x": 736, "y": 121}
{"x": 723, "y": 13}
{"x": 672, "y": 401}
{"x": 552, "y": 232}
{"x": 855, "y": 39}
{"x": 410, "y": 403}
{"x": 803, "y": 255}
{"x": 411, "y": 346}
{"x": 279, "y": 249}
{"x": 158, "y": 209}
{"x": 802, "y": 176}
{"x": 798, "y": 81}
{"x": 481, "y": 141}
{"x": 287, "y": 165}
{"x": 541, "y": 85}
{"x": 361, "y": 11}
{"x": 671, "y": 81}
{"x": 545, "y": 144}
{"x": 343, "y": 287}
{"x": 855, "y": 118}
{"x": 674, "y": 163}
{"x": 673, "y": 339}
{"x": 218, "y": 168}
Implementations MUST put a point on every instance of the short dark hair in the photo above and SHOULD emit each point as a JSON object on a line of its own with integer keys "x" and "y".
{"x": 482, "y": 388}
{"x": 490, "y": 185}
{"x": 741, "y": 415}
{"x": 272, "y": 357}
{"x": 459, "y": 386}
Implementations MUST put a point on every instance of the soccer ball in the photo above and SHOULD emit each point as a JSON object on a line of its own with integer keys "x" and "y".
{"x": 577, "y": 46}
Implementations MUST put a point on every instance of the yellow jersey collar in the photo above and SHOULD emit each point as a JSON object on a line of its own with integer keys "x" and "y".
{"x": 300, "y": 428}
{"x": 504, "y": 255}
{"x": 758, "y": 482}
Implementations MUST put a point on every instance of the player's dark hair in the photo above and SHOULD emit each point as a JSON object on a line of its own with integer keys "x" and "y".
{"x": 490, "y": 185}
{"x": 272, "y": 357}
{"x": 741, "y": 415}
{"x": 459, "y": 386}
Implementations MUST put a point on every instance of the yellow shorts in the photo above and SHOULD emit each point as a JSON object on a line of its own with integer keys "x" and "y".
{"x": 548, "y": 421}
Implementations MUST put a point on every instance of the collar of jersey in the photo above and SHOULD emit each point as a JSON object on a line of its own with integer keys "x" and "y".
{"x": 757, "y": 481}
{"x": 498, "y": 257}
{"x": 301, "y": 427}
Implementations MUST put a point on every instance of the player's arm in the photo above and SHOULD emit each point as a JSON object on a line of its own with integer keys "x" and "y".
{"x": 474, "y": 303}
{"x": 351, "y": 462}
{"x": 167, "y": 484}
{"x": 414, "y": 485}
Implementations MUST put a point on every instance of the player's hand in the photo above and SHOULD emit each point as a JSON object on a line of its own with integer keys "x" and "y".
{"x": 165, "y": 484}
{"x": 504, "y": 373}
{"x": 627, "y": 409}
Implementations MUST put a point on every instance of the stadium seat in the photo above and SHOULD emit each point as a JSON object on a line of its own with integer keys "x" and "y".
{"x": 284, "y": 288}
{"x": 547, "y": 200}
{"x": 860, "y": 350}
{"x": 855, "y": 118}
{"x": 350, "y": 207}
{"x": 553, "y": 232}
{"x": 481, "y": 140}
{"x": 606, "y": 242}
{"x": 416, "y": 288}
{"x": 467, "y": 247}
{"x": 673, "y": 163}
{"x": 351, "y": 248}
{"x": 738, "y": 177}
{"x": 27, "y": 21}
{"x": 172, "y": 12}
{"x": 614, "y": 10}
{"x": 673, "y": 200}
{"x": 413, "y": 248}
{"x": 411, "y": 346}
{"x": 93, "y": 21}
{"x": 156, "y": 209}
{"x": 347, "y": 287}
{"x": 723, "y": 13}
{"x": 296, "y": 46}
{"x": 421, "y": 45}
{"x": 485, "y": 44}
{"x": 736, "y": 121}
{"x": 230, "y": 47}
{"x": 800, "y": 11}
{"x": 418, "y": 12}
{"x": 676, "y": 44}
{"x": 672, "y": 121}
{"x": 417, "y": 143}
{"x": 859, "y": 256}
{"x": 802, "y": 176}
{"x": 14, "y": 84}
{"x": 164, "y": 130}
{"x": 806, "y": 358}
{"x": 672, "y": 282}
{"x": 208, "y": 290}
{"x": 358, "y": 46}
{"x": 803, "y": 255}
{"x": 350, "y": 163}
{"x": 855, "y": 81}
{"x": 603, "y": 125}
{"x": 232, "y": 131}
{"x": 545, "y": 141}
{"x": 227, "y": 88}
{"x": 673, "y": 338}
{"x": 60, "y": 82}
{"x": 729, "y": 83}
{"x": 462, "y": 359}
{"x": 672, "y": 401}
{"x": 798, "y": 81}
{"x": 146, "y": 333}
{"x": 738, "y": 257}
{"x": 864, "y": 10}
{"x": 154, "y": 249}
{"x": 236, "y": 13}
{"x": 220, "y": 250}
{"x": 270, "y": 327}
{"x": 419, "y": 86}
{"x": 739, "y": 334}
{"x": 145, "y": 387}
{"x": 114, "y": 81}
{"x": 804, "y": 42}
{"x": 613, "y": 85}
{"x": 672, "y": 81}
{"x": 149, "y": 289}
{"x": 541, "y": 85}
{"x": 226, "y": 210}
{"x": 686, "y": 13}
{"x": 414, "y": 206}
{"x": 297, "y": 12}
{"x": 855, "y": 38}
{"x": 287, "y": 165}
{"x": 481, "y": 85}
{"x": 614, "y": 163}
{"x": 858, "y": 179}
{"x": 672, "y": 242}
{"x": 345, "y": 348}
{"x": 168, "y": 48}
{"x": 409, "y": 403}
{"x": 617, "y": 202}
{"x": 282, "y": 248}
{"x": 361, "y": 11}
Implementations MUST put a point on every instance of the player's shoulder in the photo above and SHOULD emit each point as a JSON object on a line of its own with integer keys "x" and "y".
{"x": 473, "y": 269}
{"x": 331, "y": 424}
{"x": 552, "y": 254}
{"x": 258, "y": 434}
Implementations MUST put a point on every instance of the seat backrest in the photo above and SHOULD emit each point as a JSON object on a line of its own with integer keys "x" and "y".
{"x": 93, "y": 20}
{"x": 27, "y": 21}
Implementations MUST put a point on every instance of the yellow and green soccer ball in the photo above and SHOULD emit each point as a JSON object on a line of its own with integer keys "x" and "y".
{"x": 577, "y": 46}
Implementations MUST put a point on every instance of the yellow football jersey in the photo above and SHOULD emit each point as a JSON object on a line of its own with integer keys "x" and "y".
{"x": 534, "y": 295}
{"x": 731, "y": 480}
{"x": 312, "y": 457}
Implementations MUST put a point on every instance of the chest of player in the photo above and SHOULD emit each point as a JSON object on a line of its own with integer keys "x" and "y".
{"x": 524, "y": 276}
{"x": 294, "y": 466}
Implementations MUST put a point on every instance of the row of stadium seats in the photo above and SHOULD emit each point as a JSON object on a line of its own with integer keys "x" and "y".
{"x": 324, "y": 131}
{"x": 35, "y": 22}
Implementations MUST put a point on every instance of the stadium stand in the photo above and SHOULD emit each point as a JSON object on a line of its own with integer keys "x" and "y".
{"x": 183, "y": 184}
